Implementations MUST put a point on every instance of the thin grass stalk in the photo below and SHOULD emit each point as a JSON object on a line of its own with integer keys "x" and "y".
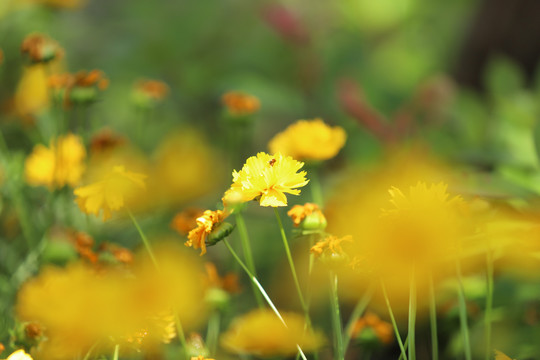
{"x": 489, "y": 303}
{"x": 433, "y": 321}
{"x": 393, "y": 320}
{"x": 463, "y": 313}
{"x": 412, "y": 317}
{"x": 336, "y": 317}
{"x": 357, "y": 312}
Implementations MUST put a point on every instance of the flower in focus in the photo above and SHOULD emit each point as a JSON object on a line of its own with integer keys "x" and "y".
{"x": 41, "y": 49}
{"x": 148, "y": 93}
{"x": 205, "y": 225}
{"x": 240, "y": 104}
{"x": 268, "y": 177}
{"x": 308, "y": 215}
{"x": 60, "y": 164}
{"x": 184, "y": 221}
{"x": 261, "y": 333}
{"x": 109, "y": 193}
{"x": 382, "y": 329}
{"x": 309, "y": 140}
{"x": 19, "y": 355}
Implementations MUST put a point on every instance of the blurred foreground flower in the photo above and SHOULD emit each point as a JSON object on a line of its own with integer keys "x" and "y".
{"x": 109, "y": 193}
{"x": 309, "y": 140}
{"x": 19, "y": 355}
{"x": 185, "y": 221}
{"x": 261, "y": 333}
{"x": 41, "y": 49}
{"x": 79, "y": 305}
{"x": 32, "y": 94}
{"x": 62, "y": 163}
{"x": 371, "y": 322}
{"x": 266, "y": 178}
{"x": 240, "y": 104}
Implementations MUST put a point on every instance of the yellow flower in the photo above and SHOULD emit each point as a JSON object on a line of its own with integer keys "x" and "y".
{"x": 501, "y": 356}
{"x": 268, "y": 177}
{"x": 205, "y": 225}
{"x": 299, "y": 213}
{"x": 331, "y": 246}
{"x": 62, "y": 163}
{"x": 19, "y": 355}
{"x": 309, "y": 140}
{"x": 261, "y": 333}
{"x": 32, "y": 94}
{"x": 109, "y": 194}
{"x": 240, "y": 104}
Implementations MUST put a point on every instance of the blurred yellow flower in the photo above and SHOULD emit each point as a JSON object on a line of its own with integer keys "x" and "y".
{"x": 205, "y": 225}
{"x": 109, "y": 193}
{"x": 200, "y": 357}
{"x": 499, "y": 355}
{"x": 32, "y": 94}
{"x": 62, "y": 163}
{"x": 261, "y": 333}
{"x": 331, "y": 245}
{"x": 240, "y": 104}
{"x": 185, "y": 221}
{"x": 19, "y": 355}
{"x": 268, "y": 177}
{"x": 309, "y": 140}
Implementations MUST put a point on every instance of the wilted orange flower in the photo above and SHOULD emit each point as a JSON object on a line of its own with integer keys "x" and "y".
{"x": 60, "y": 164}
{"x": 267, "y": 177}
{"x": 40, "y": 48}
{"x": 309, "y": 140}
{"x": 19, "y": 355}
{"x": 81, "y": 87}
{"x": 186, "y": 220}
{"x": 300, "y": 212}
{"x": 240, "y": 104}
{"x": 261, "y": 333}
{"x": 109, "y": 193}
{"x": 382, "y": 329}
{"x": 105, "y": 140}
{"x": 205, "y": 225}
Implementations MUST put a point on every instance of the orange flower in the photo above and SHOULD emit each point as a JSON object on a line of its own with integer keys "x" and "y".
{"x": 299, "y": 213}
{"x": 41, "y": 48}
{"x": 147, "y": 93}
{"x": 382, "y": 329}
{"x": 229, "y": 282}
{"x": 331, "y": 246}
{"x": 205, "y": 225}
{"x": 185, "y": 221}
{"x": 105, "y": 140}
{"x": 240, "y": 104}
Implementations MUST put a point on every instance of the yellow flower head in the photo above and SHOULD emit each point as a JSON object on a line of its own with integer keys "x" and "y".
{"x": 19, "y": 355}
{"x": 261, "y": 333}
{"x": 330, "y": 246}
{"x": 268, "y": 177}
{"x": 205, "y": 225}
{"x": 299, "y": 213}
{"x": 60, "y": 164}
{"x": 240, "y": 104}
{"x": 109, "y": 193}
{"x": 309, "y": 140}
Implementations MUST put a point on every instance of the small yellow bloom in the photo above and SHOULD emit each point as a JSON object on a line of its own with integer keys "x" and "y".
{"x": 109, "y": 194}
{"x": 331, "y": 246}
{"x": 309, "y": 140}
{"x": 60, "y": 164}
{"x": 19, "y": 355}
{"x": 261, "y": 333}
{"x": 32, "y": 94}
{"x": 205, "y": 225}
{"x": 268, "y": 177}
{"x": 240, "y": 104}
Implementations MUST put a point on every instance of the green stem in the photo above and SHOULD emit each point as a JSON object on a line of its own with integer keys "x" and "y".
{"x": 412, "y": 316}
{"x": 355, "y": 315}
{"x": 433, "y": 321}
{"x": 393, "y": 319}
{"x": 248, "y": 255}
{"x": 261, "y": 289}
{"x": 336, "y": 317}
{"x": 291, "y": 265}
{"x": 116, "y": 351}
{"x": 463, "y": 313}
{"x": 89, "y": 352}
{"x": 212, "y": 333}
{"x": 489, "y": 303}
{"x": 405, "y": 347}
{"x": 144, "y": 239}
